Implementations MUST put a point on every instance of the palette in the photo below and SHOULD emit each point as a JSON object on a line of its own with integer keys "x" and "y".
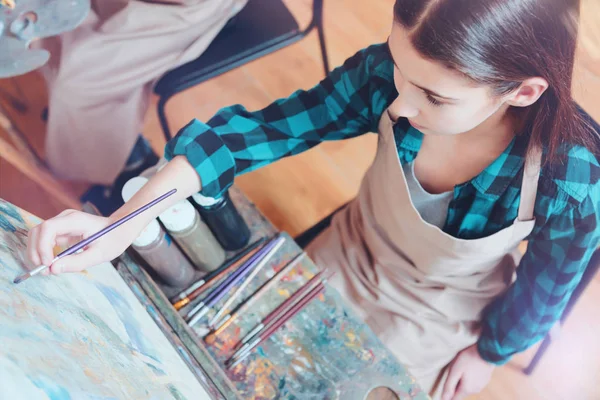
{"x": 324, "y": 352}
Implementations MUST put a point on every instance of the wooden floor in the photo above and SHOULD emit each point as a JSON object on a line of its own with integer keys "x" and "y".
{"x": 295, "y": 193}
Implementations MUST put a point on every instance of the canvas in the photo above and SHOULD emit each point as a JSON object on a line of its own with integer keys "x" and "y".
{"x": 79, "y": 336}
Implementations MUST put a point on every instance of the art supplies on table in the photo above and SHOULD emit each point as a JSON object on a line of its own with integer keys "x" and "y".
{"x": 81, "y": 245}
{"x": 235, "y": 314}
{"x": 193, "y": 236}
{"x": 202, "y": 308}
{"x": 165, "y": 259}
{"x": 263, "y": 335}
{"x": 188, "y": 295}
{"x": 220, "y": 215}
{"x": 156, "y": 247}
{"x": 281, "y": 309}
{"x": 224, "y": 220}
{"x": 266, "y": 258}
{"x": 332, "y": 343}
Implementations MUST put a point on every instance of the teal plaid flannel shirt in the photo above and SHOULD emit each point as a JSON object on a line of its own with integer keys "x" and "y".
{"x": 349, "y": 103}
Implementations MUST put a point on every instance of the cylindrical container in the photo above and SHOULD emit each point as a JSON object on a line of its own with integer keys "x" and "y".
{"x": 224, "y": 220}
{"x": 195, "y": 238}
{"x": 157, "y": 248}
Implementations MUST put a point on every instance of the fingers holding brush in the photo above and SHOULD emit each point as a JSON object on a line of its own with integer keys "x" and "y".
{"x": 77, "y": 262}
{"x": 65, "y": 241}
{"x": 67, "y": 228}
{"x": 114, "y": 239}
{"x": 69, "y": 225}
{"x": 36, "y": 253}
{"x": 32, "y": 251}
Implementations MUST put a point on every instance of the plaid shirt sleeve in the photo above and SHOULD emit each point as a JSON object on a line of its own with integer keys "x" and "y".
{"x": 347, "y": 103}
{"x": 558, "y": 252}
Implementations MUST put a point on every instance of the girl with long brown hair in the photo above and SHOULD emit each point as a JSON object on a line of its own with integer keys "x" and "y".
{"x": 480, "y": 146}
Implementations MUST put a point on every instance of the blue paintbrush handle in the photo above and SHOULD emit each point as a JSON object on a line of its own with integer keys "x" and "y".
{"x": 218, "y": 293}
{"x": 241, "y": 270}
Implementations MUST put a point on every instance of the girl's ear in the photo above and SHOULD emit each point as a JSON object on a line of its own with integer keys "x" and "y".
{"x": 528, "y": 93}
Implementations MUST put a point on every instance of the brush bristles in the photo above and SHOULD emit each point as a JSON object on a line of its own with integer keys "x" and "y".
{"x": 21, "y": 278}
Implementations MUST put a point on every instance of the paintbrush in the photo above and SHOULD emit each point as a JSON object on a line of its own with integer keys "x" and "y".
{"x": 265, "y": 334}
{"x": 234, "y": 275}
{"x": 229, "y": 318}
{"x": 94, "y": 237}
{"x": 254, "y": 265}
{"x": 188, "y": 295}
{"x": 265, "y": 259}
{"x": 281, "y": 309}
{"x": 299, "y": 306}
{"x": 204, "y": 306}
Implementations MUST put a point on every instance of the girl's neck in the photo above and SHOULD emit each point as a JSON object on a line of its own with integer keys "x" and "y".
{"x": 496, "y": 132}
{"x": 446, "y": 161}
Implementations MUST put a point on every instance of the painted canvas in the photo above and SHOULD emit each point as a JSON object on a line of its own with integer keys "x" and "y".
{"x": 79, "y": 336}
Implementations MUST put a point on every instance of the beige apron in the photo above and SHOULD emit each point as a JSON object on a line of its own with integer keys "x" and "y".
{"x": 100, "y": 77}
{"x": 421, "y": 290}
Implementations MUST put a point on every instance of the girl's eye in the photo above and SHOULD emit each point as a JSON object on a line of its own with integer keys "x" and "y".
{"x": 434, "y": 102}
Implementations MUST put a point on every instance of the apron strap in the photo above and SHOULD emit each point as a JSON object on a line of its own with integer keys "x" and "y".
{"x": 529, "y": 184}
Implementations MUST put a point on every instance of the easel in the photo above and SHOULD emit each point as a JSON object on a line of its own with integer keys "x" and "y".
{"x": 21, "y": 156}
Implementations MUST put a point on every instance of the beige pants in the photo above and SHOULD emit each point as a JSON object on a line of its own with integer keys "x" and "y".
{"x": 100, "y": 77}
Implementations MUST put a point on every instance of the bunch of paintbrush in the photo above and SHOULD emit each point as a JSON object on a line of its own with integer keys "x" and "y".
{"x": 277, "y": 318}
{"x": 248, "y": 302}
{"x": 190, "y": 294}
{"x": 249, "y": 269}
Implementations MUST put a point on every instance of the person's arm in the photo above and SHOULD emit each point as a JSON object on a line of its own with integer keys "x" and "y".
{"x": 208, "y": 156}
{"x": 551, "y": 268}
{"x": 347, "y": 103}
{"x": 556, "y": 257}
{"x": 71, "y": 226}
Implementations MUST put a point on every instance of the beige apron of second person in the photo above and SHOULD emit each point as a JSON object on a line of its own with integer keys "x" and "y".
{"x": 420, "y": 290}
{"x": 101, "y": 74}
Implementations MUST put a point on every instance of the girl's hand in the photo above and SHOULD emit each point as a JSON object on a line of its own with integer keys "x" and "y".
{"x": 69, "y": 228}
{"x": 468, "y": 374}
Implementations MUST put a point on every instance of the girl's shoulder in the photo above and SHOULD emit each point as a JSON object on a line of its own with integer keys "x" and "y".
{"x": 576, "y": 178}
{"x": 378, "y": 60}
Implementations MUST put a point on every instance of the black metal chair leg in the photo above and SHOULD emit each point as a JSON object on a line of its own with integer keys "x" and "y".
{"x": 318, "y": 23}
{"x": 162, "y": 117}
{"x": 304, "y": 239}
{"x": 538, "y": 355}
{"x": 323, "y": 48}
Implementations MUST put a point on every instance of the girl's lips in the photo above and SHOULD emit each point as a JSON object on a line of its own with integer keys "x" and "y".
{"x": 415, "y": 125}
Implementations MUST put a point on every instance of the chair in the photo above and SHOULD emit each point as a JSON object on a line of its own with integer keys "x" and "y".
{"x": 260, "y": 28}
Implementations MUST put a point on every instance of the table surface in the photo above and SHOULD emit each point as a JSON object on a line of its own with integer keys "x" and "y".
{"x": 324, "y": 352}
